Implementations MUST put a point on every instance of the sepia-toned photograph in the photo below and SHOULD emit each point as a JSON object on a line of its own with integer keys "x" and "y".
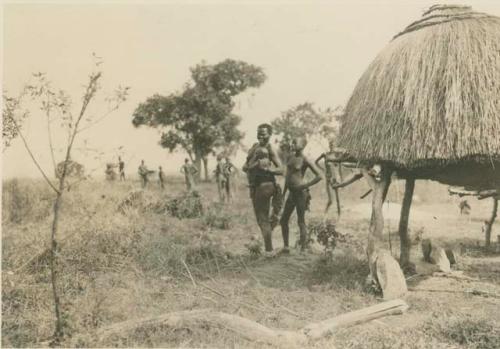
{"x": 250, "y": 174}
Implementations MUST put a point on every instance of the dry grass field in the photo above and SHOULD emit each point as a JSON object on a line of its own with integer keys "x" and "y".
{"x": 124, "y": 256}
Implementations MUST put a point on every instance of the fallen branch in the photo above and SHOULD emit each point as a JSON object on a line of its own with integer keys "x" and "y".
{"x": 472, "y": 292}
{"x": 252, "y": 330}
{"x": 323, "y": 328}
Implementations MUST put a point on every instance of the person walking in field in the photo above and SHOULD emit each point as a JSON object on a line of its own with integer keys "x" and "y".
{"x": 229, "y": 172}
{"x": 298, "y": 197}
{"x": 220, "y": 178}
{"x": 121, "y": 168}
{"x": 143, "y": 174}
{"x": 189, "y": 171}
{"x": 262, "y": 166}
{"x": 330, "y": 175}
{"x": 161, "y": 177}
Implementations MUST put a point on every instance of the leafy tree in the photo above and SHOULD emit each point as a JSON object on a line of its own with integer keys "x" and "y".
{"x": 315, "y": 124}
{"x": 199, "y": 119}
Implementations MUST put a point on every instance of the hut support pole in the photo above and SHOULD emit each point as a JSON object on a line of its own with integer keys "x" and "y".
{"x": 375, "y": 241}
{"x": 489, "y": 223}
{"x": 404, "y": 257}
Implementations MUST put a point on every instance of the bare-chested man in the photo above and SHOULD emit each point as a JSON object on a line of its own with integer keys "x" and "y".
{"x": 298, "y": 197}
{"x": 262, "y": 166}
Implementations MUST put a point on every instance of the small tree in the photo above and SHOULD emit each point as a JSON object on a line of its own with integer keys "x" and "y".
{"x": 199, "y": 119}
{"x": 57, "y": 106}
{"x": 318, "y": 125}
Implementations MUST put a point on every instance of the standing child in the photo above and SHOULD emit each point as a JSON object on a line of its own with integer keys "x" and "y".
{"x": 298, "y": 198}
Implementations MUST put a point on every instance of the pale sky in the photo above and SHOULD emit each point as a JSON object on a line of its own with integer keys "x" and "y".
{"x": 310, "y": 50}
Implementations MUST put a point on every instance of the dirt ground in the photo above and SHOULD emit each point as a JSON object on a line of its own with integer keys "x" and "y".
{"x": 125, "y": 264}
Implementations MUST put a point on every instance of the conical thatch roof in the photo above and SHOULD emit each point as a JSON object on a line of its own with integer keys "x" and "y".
{"x": 432, "y": 96}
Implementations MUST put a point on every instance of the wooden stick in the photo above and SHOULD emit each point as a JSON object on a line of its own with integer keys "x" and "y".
{"x": 366, "y": 194}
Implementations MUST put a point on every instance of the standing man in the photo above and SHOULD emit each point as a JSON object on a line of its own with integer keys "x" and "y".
{"x": 262, "y": 166}
{"x": 121, "y": 167}
{"x": 161, "y": 177}
{"x": 229, "y": 172}
{"x": 143, "y": 173}
{"x": 220, "y": 178}
{"x": 189, "y": 171}
{"x": 299, "y": 196}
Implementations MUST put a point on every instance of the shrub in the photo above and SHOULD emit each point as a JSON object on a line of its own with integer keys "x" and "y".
{"x": 25, "y": 201}
{"x": 326, "y": 234}
{"x": 254, "y": 247}
{"x": 466, "y": 329}
{"x": 217, "y": 217}
{"x": 188, "y": 205}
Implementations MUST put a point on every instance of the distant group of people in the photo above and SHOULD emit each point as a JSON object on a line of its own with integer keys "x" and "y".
{"x": 188, "y": 169}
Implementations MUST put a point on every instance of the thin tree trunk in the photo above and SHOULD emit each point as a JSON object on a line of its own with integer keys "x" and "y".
{"x": 205, "y": 168}
{"x": 59, "y": 331}
{"x": 376, "y": 229}
{"x": 53, "y": 266}
{"x": 489, "y": 223}
{"x": 404, "y": 257}
{"x": 197, "y": 163}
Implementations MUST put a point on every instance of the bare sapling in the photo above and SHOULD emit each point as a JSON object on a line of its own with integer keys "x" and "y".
{"x": 57, "y": 107}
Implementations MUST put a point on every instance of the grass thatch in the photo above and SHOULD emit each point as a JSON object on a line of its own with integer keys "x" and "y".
{"x": 432, "y": 96}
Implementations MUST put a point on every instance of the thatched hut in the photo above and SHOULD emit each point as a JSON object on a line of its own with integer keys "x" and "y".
{"x": 428, "y": 107}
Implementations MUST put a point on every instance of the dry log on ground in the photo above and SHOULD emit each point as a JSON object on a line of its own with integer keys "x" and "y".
{"x": 252, "y": 330}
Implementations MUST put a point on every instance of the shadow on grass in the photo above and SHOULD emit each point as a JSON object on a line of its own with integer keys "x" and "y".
{"x": 344, "y": 270}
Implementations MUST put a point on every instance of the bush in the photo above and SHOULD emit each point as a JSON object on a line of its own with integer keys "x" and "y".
{"x": 326, "y": 234}
{"x": 25, "y": 201}
{"x": 254, "y": 247}
{"x": 465, "y": 329}
{"x": 189, "y": 205}
{"x": 217, "y": 217}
